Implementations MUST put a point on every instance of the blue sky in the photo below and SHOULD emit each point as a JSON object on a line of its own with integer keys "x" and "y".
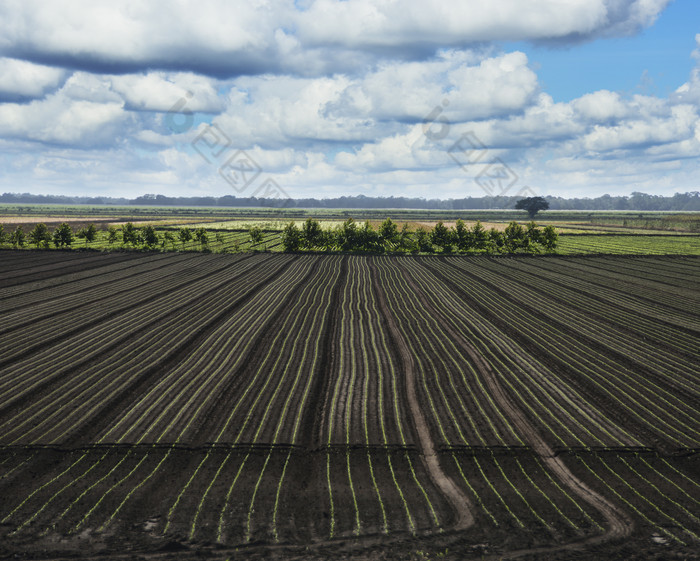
{"x": 325, "y": 98}
{"x": 655, "y": 61}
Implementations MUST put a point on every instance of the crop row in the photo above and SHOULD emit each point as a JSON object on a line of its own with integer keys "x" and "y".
{"x": 269, "y": 398}
{"x": 628, "y": 244}
{"x": 121, "y": 353}
{"x": 576, "y": 361}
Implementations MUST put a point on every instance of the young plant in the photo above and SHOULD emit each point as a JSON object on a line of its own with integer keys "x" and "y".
{"x": 17, "y": 237}
{"x": 40, "y": 235}
{"x": 63, "y": 235}
{"x": 184, "y": 235}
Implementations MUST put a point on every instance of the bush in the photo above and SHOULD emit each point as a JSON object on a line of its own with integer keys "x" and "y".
{"x": 311, "y": 234}
{"x": 442, "y": 237}
{"x": 130, "y": 234}
{"x": 40, "y": 235}
{"x": 150, "y": 237}
{"x": 291, "y": 237}
{"x": 423, "y": 241}
{"x": 63, "y": 235}
{"x": 184, "y": 235}
{"x": 17, "y": 237}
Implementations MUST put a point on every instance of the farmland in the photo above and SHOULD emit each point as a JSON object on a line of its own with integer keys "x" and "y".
{"x": 296, "y": 405}
{"x": 229, "y": 230}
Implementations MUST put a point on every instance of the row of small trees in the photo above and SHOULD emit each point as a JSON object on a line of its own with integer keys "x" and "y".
{"x": 129, "y": 236}
{"x": 62, "y": 236}
{"x": 148, "y": 238}
{"x": 350, "y": 236}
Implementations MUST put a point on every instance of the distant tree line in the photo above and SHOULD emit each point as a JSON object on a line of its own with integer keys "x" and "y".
{"x": 353, "y": 237}
{"x": 636, "y": 201}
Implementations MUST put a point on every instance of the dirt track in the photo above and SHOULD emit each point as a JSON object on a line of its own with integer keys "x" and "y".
{"x": 619, "y": 525}
{"x": 457, "y": 498}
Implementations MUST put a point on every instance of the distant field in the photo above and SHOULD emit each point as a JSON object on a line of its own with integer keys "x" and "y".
{"x": 624, "y": 232}
{"x": 628, "y": 219}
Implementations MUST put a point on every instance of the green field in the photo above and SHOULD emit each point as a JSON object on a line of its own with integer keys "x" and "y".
{"x": 660, "y": 220}
{"x": 581, "y": 232}
{"x": 623, "y": 244}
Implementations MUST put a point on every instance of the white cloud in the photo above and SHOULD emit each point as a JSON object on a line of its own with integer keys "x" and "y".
{"x": 20, "y": 79}
{"x": 388, "y": 23}
{"x": 230, "y": 38}
{"x": 59, "y": 119}
{"x": 466, "y": 85}
{"x": 690, "y": 91}
{"x": 600, "y": 106}
{"x": 327, "y": 99}
{"x": 389, "y": 154}
{"x": 124, "y": 32}
{"x": 677, "y": 126}
{"x": 160, "y": 91}
{"x": 274, "y": 112}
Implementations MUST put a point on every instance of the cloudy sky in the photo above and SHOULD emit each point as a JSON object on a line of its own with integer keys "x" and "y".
{"x": 324, "y": 97}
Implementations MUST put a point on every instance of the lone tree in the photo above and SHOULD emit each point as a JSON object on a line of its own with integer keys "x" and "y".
{"x": 532, "y": 205}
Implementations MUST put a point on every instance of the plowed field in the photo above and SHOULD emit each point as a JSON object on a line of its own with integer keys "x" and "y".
{"x": 313, "y": 407}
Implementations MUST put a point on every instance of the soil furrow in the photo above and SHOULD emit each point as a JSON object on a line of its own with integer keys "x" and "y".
{"x": 620, "y": 525}
{"x": 458, "y": 499}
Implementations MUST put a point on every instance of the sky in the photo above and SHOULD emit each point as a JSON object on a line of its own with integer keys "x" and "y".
{"x": 324, "y": 98}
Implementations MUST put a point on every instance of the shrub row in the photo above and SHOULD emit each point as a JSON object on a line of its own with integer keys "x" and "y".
{"x": 352, "y": 237}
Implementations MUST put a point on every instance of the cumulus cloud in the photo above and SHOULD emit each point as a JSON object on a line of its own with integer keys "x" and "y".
{"x": 690, "y": 91}
{"x": 389, "y": 23}
{"x": 60, "y": 119}
{"x": 20, "y": 79}
{"x": 160, "y": 91}
{"x": 210, "y": 37}
{"x": 677, "y": 126}
{"x": 276, "y": 111}
{"x": 601, "y": 106}
{"x": 224, "y": 39}
{"x": 360, "y": 96}
{"x": 461, "y": 86}
{"x": 467, "y": 87}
